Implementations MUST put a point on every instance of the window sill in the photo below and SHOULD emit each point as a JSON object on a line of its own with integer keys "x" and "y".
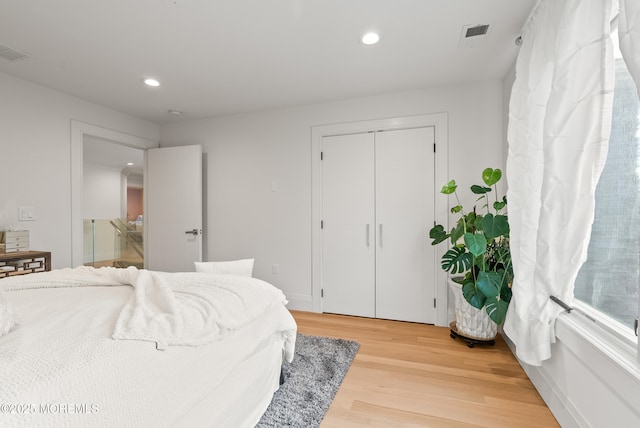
{"x": 605, "y": 334}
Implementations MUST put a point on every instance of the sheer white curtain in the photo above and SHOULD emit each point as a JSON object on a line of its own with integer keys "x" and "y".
{"x": 559, "y": 124}
{"x": 629, "y": 33}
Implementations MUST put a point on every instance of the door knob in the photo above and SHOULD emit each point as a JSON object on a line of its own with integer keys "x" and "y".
{"x": 193, "y": 232}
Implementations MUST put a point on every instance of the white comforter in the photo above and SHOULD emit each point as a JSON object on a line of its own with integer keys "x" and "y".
{"x": 182, "y": 308}
{"x": 60, "y": 366}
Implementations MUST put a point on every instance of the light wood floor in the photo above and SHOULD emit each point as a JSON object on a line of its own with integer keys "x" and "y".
{"x": 415, "y": 375}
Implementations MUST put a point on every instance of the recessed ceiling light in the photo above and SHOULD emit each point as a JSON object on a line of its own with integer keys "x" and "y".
{"x": 175, "y": 113}
{"x": 151, "y": 82}
{"x": 370, "y": 38}
{"x": 129, "y": 163}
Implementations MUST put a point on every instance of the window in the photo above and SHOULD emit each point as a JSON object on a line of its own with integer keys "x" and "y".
{"x": 608, "y": 281}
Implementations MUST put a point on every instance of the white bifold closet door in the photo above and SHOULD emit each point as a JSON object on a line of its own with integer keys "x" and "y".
{"x": 378, "y": 193}
{"x": 348, "y": 217}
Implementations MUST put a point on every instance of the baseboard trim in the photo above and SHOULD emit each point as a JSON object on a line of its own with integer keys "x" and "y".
{"x": 561, "y": 407}
{"x": 300, "y": 302}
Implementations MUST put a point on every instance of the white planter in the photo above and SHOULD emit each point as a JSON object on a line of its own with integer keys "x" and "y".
{"x": 471, "y": 322}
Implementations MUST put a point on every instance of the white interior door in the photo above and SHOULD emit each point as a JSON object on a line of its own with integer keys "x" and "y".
{"x": 348, "y": 240}
{"x": 404, "y": 213}
{"x": 173, "y": 208}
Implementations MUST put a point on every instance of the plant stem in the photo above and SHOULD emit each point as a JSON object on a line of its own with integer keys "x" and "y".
{"x": 464, "y": 221}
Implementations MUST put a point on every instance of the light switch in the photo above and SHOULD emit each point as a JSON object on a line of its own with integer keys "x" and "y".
{"x": 274, "y": 186}
{"x": 26, "y": 214}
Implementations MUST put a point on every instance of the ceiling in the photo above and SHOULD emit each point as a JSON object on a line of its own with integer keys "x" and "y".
{"x": 98, "y": 151}
{"x": 220, "y": 57}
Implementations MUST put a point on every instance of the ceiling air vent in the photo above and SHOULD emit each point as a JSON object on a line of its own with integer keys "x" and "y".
{"x": 12, "y": 54}
{"x": 478, "y": 30}
{"x": 474, "y": 35}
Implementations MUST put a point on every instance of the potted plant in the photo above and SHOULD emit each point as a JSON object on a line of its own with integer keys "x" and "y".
{"x": 480, "y": 253}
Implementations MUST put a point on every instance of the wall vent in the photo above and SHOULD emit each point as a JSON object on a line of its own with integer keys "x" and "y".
{"x": 12, "y": 54}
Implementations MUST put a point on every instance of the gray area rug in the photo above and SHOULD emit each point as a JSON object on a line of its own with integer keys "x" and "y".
{"x": 310, "y": 382}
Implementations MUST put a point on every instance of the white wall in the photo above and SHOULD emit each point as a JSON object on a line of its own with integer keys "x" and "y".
{"x": 246, "y": 153}
{"x": 101, "y": 192}
{"x": 102, "y": 195}
{"x": 35, "y": 135}
{"x": 587, "y": 382}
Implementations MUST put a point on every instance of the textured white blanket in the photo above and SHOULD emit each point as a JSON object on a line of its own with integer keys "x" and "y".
{"x": 170, "y": 308}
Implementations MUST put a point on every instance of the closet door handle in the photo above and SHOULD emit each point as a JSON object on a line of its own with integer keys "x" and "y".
{"x": 380, "y": 235}
{"x": 368, "y": 234}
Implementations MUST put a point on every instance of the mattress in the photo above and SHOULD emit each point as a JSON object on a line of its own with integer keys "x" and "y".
{"x": 61, "y": 367}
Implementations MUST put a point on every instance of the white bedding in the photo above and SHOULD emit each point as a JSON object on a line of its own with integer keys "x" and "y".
{"x": 61, "y": 367}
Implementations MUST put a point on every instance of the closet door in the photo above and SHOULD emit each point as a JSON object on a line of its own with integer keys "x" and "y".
{"x": 404, "y": 215}
{"x": 348, "y": 241}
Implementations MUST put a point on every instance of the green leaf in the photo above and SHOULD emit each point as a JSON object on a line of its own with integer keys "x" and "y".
{"x": 472, "y": 295}
{"x": 438, "y": 234}
{"x": 449, "y": 188}
{"x": 505, "y": 292}
{"x": 476, "y": 243}
{"x": 498, "y": 205}
{"x": 480, "y": 190}
{"x": 456, "y": 260}
{"x": 495, "y": 226}
{"x": 489, "y": 283}
{"x": 491, "y": 176}
{"x": 457, "y": 232}
{"x": 477, "y": 223}
{"x": 456, "y": 209}
{"x": 470, "y": 219}
{"x": 497, "y": 309}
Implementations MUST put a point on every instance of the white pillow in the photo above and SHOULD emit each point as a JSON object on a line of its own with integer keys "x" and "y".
{"x": 234, "y": 267}
{"x": 7, "y": 320}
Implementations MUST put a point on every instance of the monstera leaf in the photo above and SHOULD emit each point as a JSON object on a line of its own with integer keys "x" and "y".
{"x": 449, "y": 188}
{"x": 472, "y": 294}
{"x": 489, "y": 283}
{"x": 498, "y": 205}
{"x": 495, "y": 226}
{"x": 476, "y": 243}
{"x": 491, "y": 176}
{"x": 457, "y": 232}
{"x": 438, "y": 234}
{"x": 496, "y": 309}
{"x": 456, "y": 260}
{"x": 480, "y": 190}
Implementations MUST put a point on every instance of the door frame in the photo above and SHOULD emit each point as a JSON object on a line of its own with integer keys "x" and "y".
{"x": 78, "y": 131}
{"x": 441, "y": 172}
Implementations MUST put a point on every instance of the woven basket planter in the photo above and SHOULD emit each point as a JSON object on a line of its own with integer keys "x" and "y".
{"x": 471, "y": 322}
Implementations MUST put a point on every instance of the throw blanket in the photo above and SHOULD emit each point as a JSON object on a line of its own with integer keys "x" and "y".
{"x": 170, "y": 308}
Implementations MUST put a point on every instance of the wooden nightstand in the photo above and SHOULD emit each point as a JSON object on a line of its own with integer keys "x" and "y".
{"x": 24, "y": 262}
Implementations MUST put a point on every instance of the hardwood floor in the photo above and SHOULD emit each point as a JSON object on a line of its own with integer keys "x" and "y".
{"x": 415, "y": 375}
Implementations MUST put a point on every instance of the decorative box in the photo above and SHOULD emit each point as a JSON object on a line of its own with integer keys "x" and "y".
{"x": 16, "y": 240}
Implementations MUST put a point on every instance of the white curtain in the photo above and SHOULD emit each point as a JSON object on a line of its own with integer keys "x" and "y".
{"x": 629, "y": 33}
{"x": 559, "y": 125}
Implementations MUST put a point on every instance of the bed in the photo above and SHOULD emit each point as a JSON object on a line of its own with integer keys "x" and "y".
{"x": 134, "y": 348}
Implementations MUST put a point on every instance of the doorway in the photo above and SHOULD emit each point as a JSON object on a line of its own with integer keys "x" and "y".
{"x": 111, "y": 141}
{"x": 113, "y": 206}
